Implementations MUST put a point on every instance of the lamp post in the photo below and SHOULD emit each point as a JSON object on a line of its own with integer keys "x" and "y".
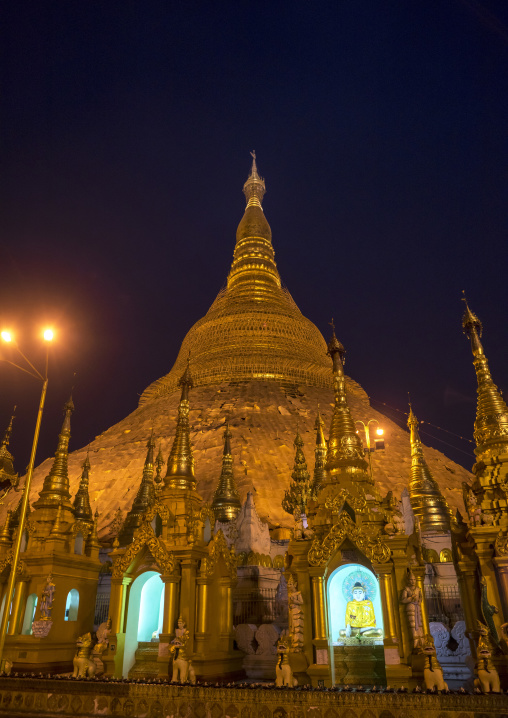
{"x": 8, "y": 338}
{"x": 366, "y": 428}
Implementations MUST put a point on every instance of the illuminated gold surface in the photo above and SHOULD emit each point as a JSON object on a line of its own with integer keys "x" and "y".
{"x": 301, "y": 488}
{"x": 7, "y": 472}
{"x": 82, "y": 508}
{"x": 55, "y": 490}
{"x": 319, "y": 453}
{"x": 253, "y": 330}
{"x": 491, "y": 425}
{"x": 143, "y": 500}
{"x": 226, "y": 499}
{"x": 427, "y": 501}
{"x": 344, "y": 444}
{"x": 180, "y": 472}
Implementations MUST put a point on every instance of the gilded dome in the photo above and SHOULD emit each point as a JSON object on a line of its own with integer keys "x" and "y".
{"x": 253, "y": 330}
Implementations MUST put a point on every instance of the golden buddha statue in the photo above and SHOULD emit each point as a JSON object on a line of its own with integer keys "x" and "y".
{"x": 360, "y": 616}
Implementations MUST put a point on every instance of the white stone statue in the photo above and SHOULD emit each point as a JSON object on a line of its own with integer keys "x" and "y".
{"x": 411, "y": 597}
{"x": 283, "y": 671}
{"x": 295, "y": 600}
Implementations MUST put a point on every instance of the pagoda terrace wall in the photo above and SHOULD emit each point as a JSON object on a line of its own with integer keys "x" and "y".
{"x": 30, "y": 697}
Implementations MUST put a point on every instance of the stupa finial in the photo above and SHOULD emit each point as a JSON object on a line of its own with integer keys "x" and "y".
{"x": 254, "y": 189}
{"x": 226, "y": 500}
{"x": 427, "y": 501}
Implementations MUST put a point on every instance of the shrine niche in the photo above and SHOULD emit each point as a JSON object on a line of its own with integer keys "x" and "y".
{"x": 354, "y": 605}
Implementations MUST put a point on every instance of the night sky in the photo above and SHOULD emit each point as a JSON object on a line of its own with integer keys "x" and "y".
{"x": 380, "y": 127}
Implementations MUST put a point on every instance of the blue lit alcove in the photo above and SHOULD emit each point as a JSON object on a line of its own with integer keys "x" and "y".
{"x": 145, "y": 613}
{"x": 340, "y": 592}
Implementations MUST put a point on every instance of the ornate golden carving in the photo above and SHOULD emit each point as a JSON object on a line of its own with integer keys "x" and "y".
{"x": 335, "y": 504}
{"x": 216, "y": 548}
{"x": 501, "y": 544}
{"x": 374, "y": 549}
{"x": 144, "y": 536}
{"x": 226, "y": 499}
{"x": 8, "y": 561}
{"x": 158, "y": 508}
{"x": 81, "y": 527}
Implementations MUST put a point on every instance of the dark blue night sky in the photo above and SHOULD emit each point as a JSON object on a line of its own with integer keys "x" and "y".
{"x": 380, "y": 127}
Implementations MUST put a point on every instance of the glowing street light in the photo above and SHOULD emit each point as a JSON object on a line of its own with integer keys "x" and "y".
{"x": 7, "y": 337}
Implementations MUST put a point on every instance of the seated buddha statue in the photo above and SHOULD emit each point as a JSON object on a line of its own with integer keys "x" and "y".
{"x": 360, "y": 616}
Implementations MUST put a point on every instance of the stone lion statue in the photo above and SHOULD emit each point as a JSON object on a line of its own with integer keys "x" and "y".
{"x": 83, "y": 665}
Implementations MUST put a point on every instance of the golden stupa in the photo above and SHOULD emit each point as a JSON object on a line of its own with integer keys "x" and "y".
{"x": 259, "y": 364}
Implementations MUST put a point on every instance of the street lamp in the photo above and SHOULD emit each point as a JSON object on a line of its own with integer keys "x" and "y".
{"x": 8, "y": 338}
{"x": 379, "y": 433}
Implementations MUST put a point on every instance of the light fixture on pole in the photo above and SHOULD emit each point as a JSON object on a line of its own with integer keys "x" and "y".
{"x": 8, "y": 338}
{"x": 379, "y": 442}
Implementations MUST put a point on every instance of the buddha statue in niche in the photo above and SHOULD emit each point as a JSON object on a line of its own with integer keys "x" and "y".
{"x": 360, "y": 618}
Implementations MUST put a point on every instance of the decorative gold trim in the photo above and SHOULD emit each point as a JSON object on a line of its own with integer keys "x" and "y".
{"x": 21, "y": 568}
{"x": 216, "y": 548}
{"x": 374, "y": 549}
{"x": 144, "y": 536}
{"x": 82, "y": 526}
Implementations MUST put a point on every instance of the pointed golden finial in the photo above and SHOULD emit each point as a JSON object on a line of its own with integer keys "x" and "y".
{"x": 428, "y": 504}
{"x": 300, "y": 490}
{"x": 7, "y": 472}
{"x": 344, "y": 444}
{"x": 82, "y": 508}
{"x": 144, "y": 499}
{"x": 57, "y": 531}
{"x": 5, "y": 534}
{"x": 491, "y": 423}
{"x": 319, "y": 453}
{"x": 254, "y": 189}
{"x": 472, "y": 327}
{"x": 180, "y": 471}
{"x": 55, "y": 490}
{"x": 226, "y": 500}
{"x": 159, "y": 463}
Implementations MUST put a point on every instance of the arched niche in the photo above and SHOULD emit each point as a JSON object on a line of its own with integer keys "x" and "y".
{"x": 144, "y": 616}
{"x": 72, "y": 605}
{"x": 343, "y": 603}
{"x": 31, "y": 605}
{"x": 78, "y": 544}
{"x": 445, "y": 556}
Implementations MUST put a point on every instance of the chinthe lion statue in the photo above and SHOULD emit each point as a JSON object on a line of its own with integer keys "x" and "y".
{"x": 432, "y": 671}
{"x": 487, "y": 677}
{"x": 283, "y": 671}
{"x": 83, "y": 665}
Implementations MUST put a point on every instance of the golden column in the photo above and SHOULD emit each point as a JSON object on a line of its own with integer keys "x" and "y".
{"x": 384, "y": 572}
{"x": 170, "y": 604}
{"x": 319, "y": 613}
{"x": 18, "y": 605}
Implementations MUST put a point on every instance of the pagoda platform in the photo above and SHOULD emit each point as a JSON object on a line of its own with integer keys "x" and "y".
{"x": 30, "y": 697}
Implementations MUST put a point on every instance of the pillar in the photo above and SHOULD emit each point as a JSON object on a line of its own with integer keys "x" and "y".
{"x": 117, "y": 603}
{"x": 501, "y": 564}
{"x": 384, "y": 572}
{"x": 201, "y": 625}
{"x": 170, "y": 604}
{"x": 319, "y": 613}
{"x": 18, "y": 606}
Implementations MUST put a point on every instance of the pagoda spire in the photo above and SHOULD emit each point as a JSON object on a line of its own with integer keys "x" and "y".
{"x": 226, "y": 500}
{"x": 180, "y": 471}
{"x": 82, "y": 508}
{"x": 159, "y": 463}
{"x": 344, "y": 444}
{"x": 55, "y": 490}
{"x": 491, "y": 424}
{"x": 427, "y": 501}
{"x": 7, "y": 473}
{"x": 144, "y": 498}
{"x": 300, "y": 490}
{"x": 319, "y": 453}
{"x": 253, "y": 270}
